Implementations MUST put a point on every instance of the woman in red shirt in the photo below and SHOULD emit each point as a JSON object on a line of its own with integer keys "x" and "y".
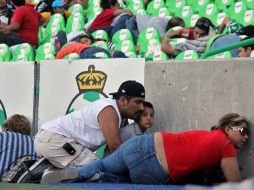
{"x": 167, "y": 158}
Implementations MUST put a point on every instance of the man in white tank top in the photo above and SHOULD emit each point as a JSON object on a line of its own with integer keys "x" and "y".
{"x": 71, "y": 140}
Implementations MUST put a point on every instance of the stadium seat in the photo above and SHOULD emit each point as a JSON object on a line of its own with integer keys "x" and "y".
{"x": 236, "y": 11}
{"x": 100, "y": 34}
{"x": 101, "y": 44}
{"x": 135, "y": 5}
{"x": 185, "y": 13}
{"x": 175, "y": 5}
{"x": 100, "y": 151}
{"x": 193, "y": 19}
{"x": 55, "y": 24}
{"x": 198, "y": 5}
{"x": 148, "y": 39}
{"x": 23, "y": 52}
{"x": 225, "y": 54}
{"x": 154, "y": 6}
{"x": 75, "y": 22}
{"x": 223, "y": 5}
{"x": 120, "y": 35}
{"x": 188, "y": 54}
{"x": 72, "y": 56}
{"x": 249, "y": 4}
{"x": 5, "y": 54}
{"x": 164, "y": 12}
{"x": 210, "y": 11}
{"x": 77, "y": 8}
{"x": 248, "y": 18}
{"x": 93, "y": 10}
{"x": 157, "y": 55}
{"x": 217, "y": 19}
{"x": 127, "y": 47}
{"x": 45, "y": 52}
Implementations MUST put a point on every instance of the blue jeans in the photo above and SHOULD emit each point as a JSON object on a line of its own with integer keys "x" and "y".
{"x": 120, "y": 24}
{"x": 131, "y": 24}
{"x": 135, "y": 157}
{"x": 226, "y": 40}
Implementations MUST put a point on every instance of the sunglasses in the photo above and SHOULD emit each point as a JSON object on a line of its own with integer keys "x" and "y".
{"x": 243, "y": 130}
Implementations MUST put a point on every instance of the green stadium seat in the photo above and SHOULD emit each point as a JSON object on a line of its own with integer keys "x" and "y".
{"x": 75, "y": 22}
{"x": 198, "y": 5}
{"x": 101, "y": 55}
{"x": 148, "y": 39}
{"x": 123, "y": 34}
{"x": 217, "y": 19}
{"x": 249, "y": 4}
{"x": 23, "y": 52}
{"x": 72, "y": 56}
{"x": 100, "y": 34}
{"x": 5, "y": 53}
{"x": 210, "y": 11}
{"x": 236, "y": 11}
{"x": 164, "y": 12}
{"x": 127, "y": 47}
{"x": 135, "y": 5}
{"x": 225, "y": 54}
{"x": 93, "y": 11}
{"x": 188, "y": 54}
{"x": 185, "y": 13}
{"x": 55, "y": 24}
{"x": 248, "y": 18}
{"x": 157, "y": 55}
{"x": 223, "y": 5}
{"x": 101, "y": 44}
{"x": 154, "y": 6}
{"x": 45, "y": 52}
{"x": 175, "y": 5}
{"x": 77, "y": 8}
{"x": 193, "y": 20}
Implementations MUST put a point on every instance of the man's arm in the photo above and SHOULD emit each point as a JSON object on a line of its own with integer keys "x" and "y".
{"x": 108, "y": 121}
{"x": 230, "y": 169}
{"x": 166, "y": 47}
{"x": 223, "y": 25}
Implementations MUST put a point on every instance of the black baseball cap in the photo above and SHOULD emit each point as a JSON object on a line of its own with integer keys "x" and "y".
{"x": 130, "y": 88}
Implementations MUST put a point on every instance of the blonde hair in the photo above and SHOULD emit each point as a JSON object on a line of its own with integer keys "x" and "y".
{"x": 230, "y": 119}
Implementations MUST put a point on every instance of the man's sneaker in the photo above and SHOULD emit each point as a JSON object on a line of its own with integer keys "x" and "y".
{"x": 35, "y": 172}
{"x": 58, "y": 175}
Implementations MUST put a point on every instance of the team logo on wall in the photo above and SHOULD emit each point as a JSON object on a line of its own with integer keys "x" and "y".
{"x": 90, "y": 85}
{"x": 3, "y": 115}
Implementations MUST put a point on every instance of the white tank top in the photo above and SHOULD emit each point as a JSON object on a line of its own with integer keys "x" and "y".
{"x": 83, "y": 124}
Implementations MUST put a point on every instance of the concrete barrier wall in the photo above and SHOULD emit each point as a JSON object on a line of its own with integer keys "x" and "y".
{"x": 195, "y": 94}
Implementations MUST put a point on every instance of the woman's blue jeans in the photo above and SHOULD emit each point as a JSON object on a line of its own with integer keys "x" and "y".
{"x": 135, "y": 157}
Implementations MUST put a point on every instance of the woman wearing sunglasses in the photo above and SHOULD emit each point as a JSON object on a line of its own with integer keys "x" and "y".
{"x": 168, "y": 158}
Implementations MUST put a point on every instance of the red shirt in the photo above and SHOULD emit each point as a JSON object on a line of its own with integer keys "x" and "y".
{"x": 29, "y": 20}
{"x": 187, "y": 33}
{"x": 72, "y": 47}
{"x": 104, "y": 19}
{"x": 195, "y": 152}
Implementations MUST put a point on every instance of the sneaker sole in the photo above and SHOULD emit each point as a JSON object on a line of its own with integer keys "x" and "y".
{"x": 31, "y": 168}
{"x": 58, "y": 176}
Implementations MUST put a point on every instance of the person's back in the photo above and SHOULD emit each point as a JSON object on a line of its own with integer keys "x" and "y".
{"x": 15, "y": 141}
{"x": 12, "y": 146}
{"x": 29, "y": 21}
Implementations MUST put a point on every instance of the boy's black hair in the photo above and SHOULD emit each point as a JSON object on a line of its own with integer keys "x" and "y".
{"x": 247, "y": 30}
{"x": 19, "y": 2}
{"x": 148, "y": 105}
{"x": 251, "y": 45}
{"x": 106, "y": 4}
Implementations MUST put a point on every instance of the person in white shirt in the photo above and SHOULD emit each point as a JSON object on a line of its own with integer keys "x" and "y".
{"x": 71, "y": 140}
{"x": 141, "y": 124}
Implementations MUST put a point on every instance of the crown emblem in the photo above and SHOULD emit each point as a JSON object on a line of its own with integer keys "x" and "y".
{"x": 91, "y": 79}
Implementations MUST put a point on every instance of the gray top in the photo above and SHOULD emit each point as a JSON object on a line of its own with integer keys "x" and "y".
{"x": 130, "y": 131}
{"x": 144, "y": 21}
